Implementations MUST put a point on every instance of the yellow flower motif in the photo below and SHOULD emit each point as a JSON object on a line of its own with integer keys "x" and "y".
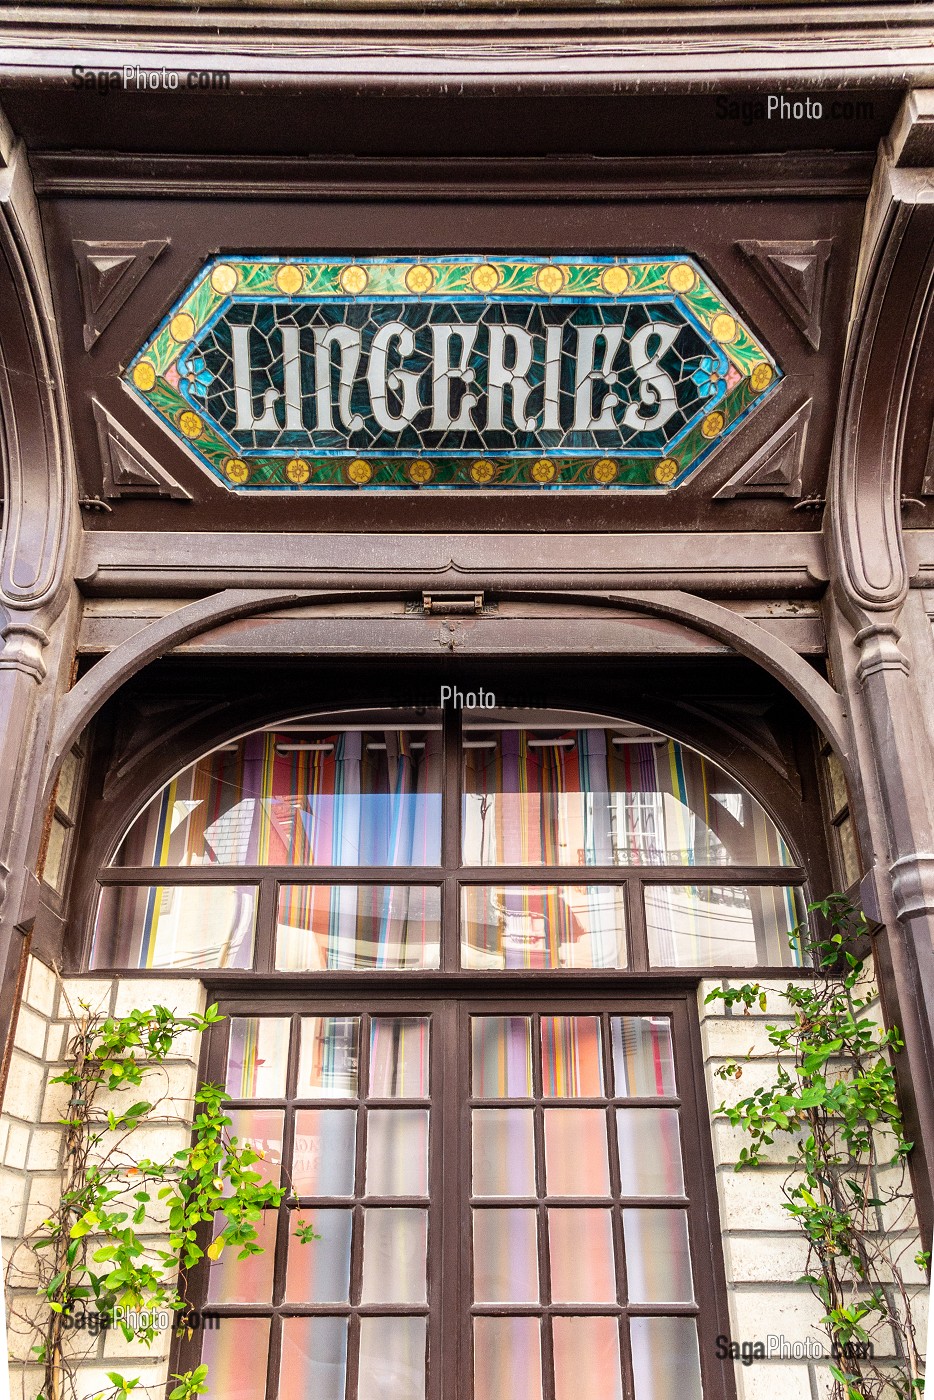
{"x": 681, "y": 277}
{"x": 482, "y": 472}
{"x": 353, "y": 280}
{"x": 761, "y": 376}
{"x": 666, "y": 470}
{"x": 549, "y": 279}
{"x": 485, "y": 277}
{"x": 543, "y": 470}
{"x": 421, "y": 471}
{"x": 297, "y": 471}
{"x": 615, "y": 280}
{"x": 182, "y": 327}
{"x": 724, "y": 328}
{"x": 190, "y": 424}
{"x": 144, "y": 376}
{"x": 605, "y": 471}
{"x": 224, "y": 279}
{"x": 236, "y": 470}
{"x": 713, "y": 424}
{"x": 359, "y": 472}
{"x": 419, "y": 279}
{"x": 289, "y": 279}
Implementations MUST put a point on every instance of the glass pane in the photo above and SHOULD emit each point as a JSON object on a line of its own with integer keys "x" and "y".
{"x": 839, "y": 797}
{"x": 505, "y": 1256}
{"x": 319, "y": 1272}
{"x": 314, "y": 1358}
{"x": 503, "y": 1152}
{"x": 576, "y": 1159}
{"x": 315, "y": 797}
{"x": 235, "y": 1354}
{"x": 183, "y": 926}
{"x": 392, "y": 1358}
{"x": 344, "y": 927}
{"x": 560, "y": 926}
{"x": 67, "y": 788}
{"x": 54, "y": 868}
{"x": 397, "y": 1152}
{"x": 582, "y": 1267}
{"x": 649, "y": 1152}
{"x": 325, "y": 1151}
{"x": 394, "y": 1249}
{"x": 507, "y": 1358}
{"x": 502, "y": 1057}
{"x": 262, "y": 1129}
{"x": 233, "y": 1280}
{"x": 849, "y": 850}
{"x": 329, "y": 1057}
{"x": 565, "y": 792}
{"x": 665, "y": 1358}
{"x": 643, "y": 1057}
{"x": 658, "y": 1256}
{"x": 572, "y": 1063}
{"x": 399, "y": 1057}
{"x": 257, "y": 1057}
{"x": 587, "y": 1358}
{"x": 722, "y": 925}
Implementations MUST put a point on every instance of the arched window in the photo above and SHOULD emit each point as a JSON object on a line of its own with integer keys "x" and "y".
{"x": 457, "y": 953}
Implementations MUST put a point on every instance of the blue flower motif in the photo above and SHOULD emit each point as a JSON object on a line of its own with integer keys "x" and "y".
{"x": 707, "y": 378}
{"x": 193, "y": 375}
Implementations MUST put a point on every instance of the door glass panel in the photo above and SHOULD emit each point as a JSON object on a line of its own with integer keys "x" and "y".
{"x": 643, "y": 1057}
{"x": 542, "y": 926}
{"x": 502, "y": 1057}
{"x": 392, "y": 1358}
{"x": 394, "y": 1251}
{"x": 314, "y": 1358}
{"x": 261, "y": 1129}
{"x": 503, "y": 1152}
{"x": 649, "y": 1152}
{"x": 658, "y": 1257}
{"x": 397, "y": 1152}
{"x": 587, "y": 1361}
{"x": 399, "y": 1057}
{"x": 722, "y": 925}
{"x": 505, "y": 1256}
{"x": 576, "y": 1161}
{"x": 323, "y": 928}
{"x": 507, "y": 1358}
{"x": 581, "y": 1248}
{"x": 319, "y": 1272}
{"x": 257, "y": 1057}
{"x": 325, "y": 1151}
{"x": 233, "y": 1280}
{"x": 186, "y": 927}
{"x": 665, "y": 1358}
{"x": 235, "y": 1354}
{"x": 572, "y": 1063}
{"x": 329, "y": 1056}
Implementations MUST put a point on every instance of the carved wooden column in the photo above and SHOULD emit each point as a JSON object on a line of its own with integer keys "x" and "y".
{"x": 879, "y": 652}
{"x": 37, "y": 544}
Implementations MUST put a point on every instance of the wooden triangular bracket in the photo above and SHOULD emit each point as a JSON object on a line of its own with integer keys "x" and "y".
{"x": 795, "y": 272}
{"x": 777, "y": 468}
{"x": 128, "y": 469}
{"x": 107, "y": 274}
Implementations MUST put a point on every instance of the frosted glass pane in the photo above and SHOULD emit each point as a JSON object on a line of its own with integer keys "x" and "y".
{"x": 722, "y": 925}
{"x": 261, "y": 1128}
{"x": 319, "y": 1272}
{"x": 503, "y": 1152}
{"x": 572, "y": 1064}
{"x": 325, "y": 1151}
{"x": 507, "y": 1358}
{"x": 314, "y": 1358}
{"x": 649, "y": 1152}
{"x": 587, "y": 1365}
{"x": 394, "y": 1249}
{"x": 345, "y": 927}
{"x": 643, "y": 1057}
{"x": 397, "y": 1152}
{"x": 392, "y": 1358}
{"x": 233, "y": 1280}
{"x": 257, "y": 1057}
{"x": 582, "y": 1266}
{"x": 665, "y": 1358}
{"x": 235, "y": 1354}
{"x": 502, "y": 1057}
{"x": 181, "y": 926}
{"x": 542, "y": 926}
{"x": 399, "y": 1057}
{"x": 576, "y": 1157}
{"x": 329, "y": 1057}
{"x": 658, "y": 1256}
{"x": 505, "y": 1256}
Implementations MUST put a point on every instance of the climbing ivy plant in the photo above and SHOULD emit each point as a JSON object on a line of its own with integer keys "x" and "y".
{"x": 833, "y": 1102}
{"x": 95, "y": 1255}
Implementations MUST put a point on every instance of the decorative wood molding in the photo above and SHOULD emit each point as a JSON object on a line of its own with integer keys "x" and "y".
{"x": 108, "y": 273}
{"x": 795, "y": 272}
{"x": 128, "y": 469}
{"x": 777, "y": 468}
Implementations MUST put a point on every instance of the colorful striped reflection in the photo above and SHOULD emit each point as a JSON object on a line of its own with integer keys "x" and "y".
{"x": 236, "y": 1354}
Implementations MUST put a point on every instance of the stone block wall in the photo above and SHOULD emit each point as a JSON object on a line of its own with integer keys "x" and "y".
{"x": 30, "y": 1161}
